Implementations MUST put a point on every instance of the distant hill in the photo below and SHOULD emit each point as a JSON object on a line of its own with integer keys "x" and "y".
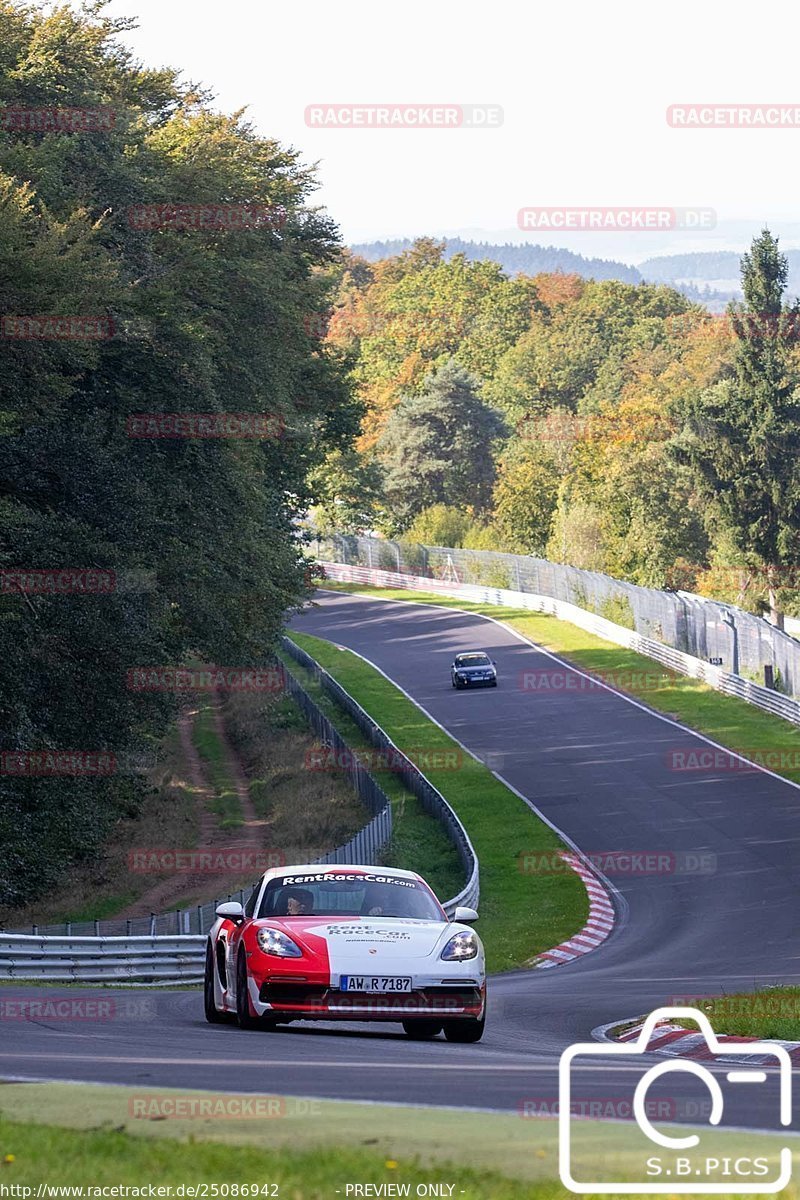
{"x": 687, "y": 273}
{"x": 717, "y": 269}
{"x": 708, "y": 264}
{"x": 514, "y": 259}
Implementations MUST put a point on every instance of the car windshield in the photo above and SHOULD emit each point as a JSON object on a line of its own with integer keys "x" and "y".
{"x": 472, "y": 660}
{"x": 343, "y": 894}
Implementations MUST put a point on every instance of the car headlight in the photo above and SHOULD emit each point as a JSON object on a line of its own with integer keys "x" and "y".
{"x": 460, "y": 947}
{"x": 272, "y": 941}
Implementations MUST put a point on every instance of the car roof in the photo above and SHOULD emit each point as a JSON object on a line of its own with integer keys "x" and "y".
{"x": 469, "y": 653}
{"x": 339, "y": 869}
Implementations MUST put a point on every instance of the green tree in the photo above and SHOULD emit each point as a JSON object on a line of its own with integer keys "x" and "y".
{"x": 437, "y": 448}
{"x": 742, "y": 435}
{"x": 525, "y": 497}
{"x": 201, "y": 534}
{"x": 347, "y": 490}
{"x": 439, "y": 525}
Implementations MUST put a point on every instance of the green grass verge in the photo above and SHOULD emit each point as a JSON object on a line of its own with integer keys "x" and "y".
{"x": 418, "y": 841}
{"x": 521, "y": 914}
{"x": 768, "y": 1013}
{"x": 226, "y": 804}
{"x": 62, "y": 1135}
{"x": 734, "y": 723}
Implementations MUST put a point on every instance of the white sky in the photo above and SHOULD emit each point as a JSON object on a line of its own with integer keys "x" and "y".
{"x": 584, "y": 87}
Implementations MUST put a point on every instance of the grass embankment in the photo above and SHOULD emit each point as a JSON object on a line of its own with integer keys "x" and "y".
{"x": 299, "y": 814}
{"x": 419, "y": 842}
{"x": 168, "y": 816}
{"x": 63, "y": 1135}
{"x": 768, "y": 1013}
{"x": 737, "y": 725}
{"x": 302, "y": 812}
{"x": 521, "y": 914}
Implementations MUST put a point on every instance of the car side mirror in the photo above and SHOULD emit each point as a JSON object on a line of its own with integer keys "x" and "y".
{"x": 231, "y": 911}
{"x": 465, "y": 915}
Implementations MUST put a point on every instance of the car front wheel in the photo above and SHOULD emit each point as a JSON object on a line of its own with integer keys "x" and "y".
{"x": 243, "y": 1014}
{"x": 468, "y": 1029}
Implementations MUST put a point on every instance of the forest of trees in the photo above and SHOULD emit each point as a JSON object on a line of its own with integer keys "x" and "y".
{"x": 197, "y": 536}
{"x": 610, "y": 424}
{"x": 613, "y": 426}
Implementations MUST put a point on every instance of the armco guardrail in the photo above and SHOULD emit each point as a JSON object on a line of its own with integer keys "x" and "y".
{"x": 431, "y": 799}
{"x": 686, "y": 664}
{"x": 161, "y": 959}
{"x": 710, "y": 630}
{"x": 158, "y": 960}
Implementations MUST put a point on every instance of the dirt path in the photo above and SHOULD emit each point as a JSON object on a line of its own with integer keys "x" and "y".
{"x": 193, "y": 887}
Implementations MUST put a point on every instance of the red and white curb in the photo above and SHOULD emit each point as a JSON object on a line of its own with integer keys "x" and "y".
{"x": 674, "y": 1041}
{"x": 596, "y": 929}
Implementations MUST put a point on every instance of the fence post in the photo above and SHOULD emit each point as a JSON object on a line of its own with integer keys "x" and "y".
{"x": 152, "y": 924}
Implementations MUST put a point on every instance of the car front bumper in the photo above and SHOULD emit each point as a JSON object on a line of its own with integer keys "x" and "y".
{"x": 308, "y": 1001}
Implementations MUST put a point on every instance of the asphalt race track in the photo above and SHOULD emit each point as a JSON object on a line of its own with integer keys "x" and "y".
{"x": 599, "y": 768}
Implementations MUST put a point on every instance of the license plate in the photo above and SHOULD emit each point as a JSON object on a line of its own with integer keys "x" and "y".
{"x": 375, "y": 983}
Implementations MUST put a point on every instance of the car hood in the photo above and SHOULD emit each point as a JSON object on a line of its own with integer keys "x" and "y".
{"x": 389, "y": 938}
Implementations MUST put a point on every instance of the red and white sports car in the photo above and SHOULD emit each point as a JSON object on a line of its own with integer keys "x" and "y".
{"x": 347, "y": 943}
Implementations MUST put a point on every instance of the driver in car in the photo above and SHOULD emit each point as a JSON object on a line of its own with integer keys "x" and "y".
{"x": 372, "y": 906}
{"x": 299, "y": 903}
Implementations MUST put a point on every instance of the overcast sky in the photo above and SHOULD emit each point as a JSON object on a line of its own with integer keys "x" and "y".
{"x": 584, "y": 88}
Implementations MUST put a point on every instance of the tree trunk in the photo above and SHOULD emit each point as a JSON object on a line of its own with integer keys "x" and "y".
{"x": 775, "y": 615}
